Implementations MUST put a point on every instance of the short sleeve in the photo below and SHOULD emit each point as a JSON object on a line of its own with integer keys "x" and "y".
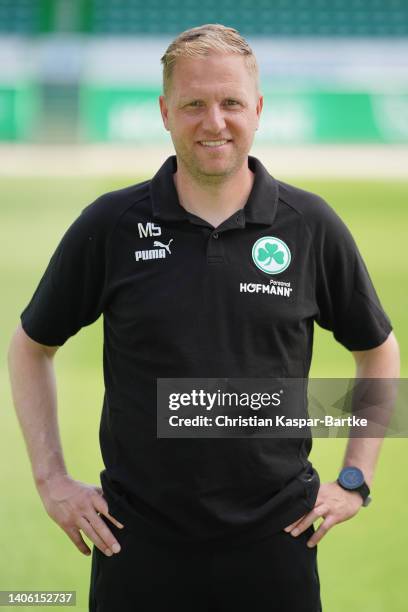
{"x": 70, "y": 294}
{"x": 347, "y": 302}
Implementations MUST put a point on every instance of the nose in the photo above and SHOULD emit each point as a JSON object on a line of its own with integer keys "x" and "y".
{"x": 214, "y": 120}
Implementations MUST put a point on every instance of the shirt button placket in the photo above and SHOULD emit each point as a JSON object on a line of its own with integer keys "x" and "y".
{"x": 215, "y": 249}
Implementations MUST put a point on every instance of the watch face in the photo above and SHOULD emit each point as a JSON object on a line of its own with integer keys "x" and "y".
{"x": 351, "y": 478}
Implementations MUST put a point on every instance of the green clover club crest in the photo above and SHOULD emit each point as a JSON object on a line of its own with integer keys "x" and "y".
{"x": 271, "y": 255}
{"x": 270, "y": 251}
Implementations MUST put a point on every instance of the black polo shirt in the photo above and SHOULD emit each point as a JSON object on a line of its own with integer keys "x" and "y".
{"x": 181, "y": 299}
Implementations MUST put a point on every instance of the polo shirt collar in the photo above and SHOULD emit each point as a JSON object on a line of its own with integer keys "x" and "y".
{"x": 260, "y": 207}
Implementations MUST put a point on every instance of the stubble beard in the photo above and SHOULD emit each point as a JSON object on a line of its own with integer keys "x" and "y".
{"x": 195, "y": 169}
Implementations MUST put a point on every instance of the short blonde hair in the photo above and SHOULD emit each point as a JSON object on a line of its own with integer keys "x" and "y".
{"x": 200, "y": 41}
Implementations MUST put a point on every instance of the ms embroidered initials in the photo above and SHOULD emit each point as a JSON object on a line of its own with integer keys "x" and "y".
{"x": 148, "y": 229}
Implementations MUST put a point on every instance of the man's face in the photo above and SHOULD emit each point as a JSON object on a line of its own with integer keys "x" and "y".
{"x": 212, "y": 111}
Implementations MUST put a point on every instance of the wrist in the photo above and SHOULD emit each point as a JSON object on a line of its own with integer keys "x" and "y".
{"x": 353, "y": 494}
{"x": 43, "y": 482}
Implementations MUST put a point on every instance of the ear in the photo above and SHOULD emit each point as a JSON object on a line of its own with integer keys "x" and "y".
{"x": 164, "y": 111}
{"x": 259, "y": 107}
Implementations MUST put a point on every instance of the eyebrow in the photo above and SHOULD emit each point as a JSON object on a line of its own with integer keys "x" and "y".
{"x": 184, "y": 99}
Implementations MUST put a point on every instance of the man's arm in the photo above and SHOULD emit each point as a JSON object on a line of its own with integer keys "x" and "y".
{"x": 334, "y": 503}
{"x": 381, "y": 362}
{"x": 71, "y": 504}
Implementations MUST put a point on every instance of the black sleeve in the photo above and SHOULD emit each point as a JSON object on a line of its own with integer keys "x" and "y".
{"x": 70, "y": 294}
{"x": 347, "y": 302}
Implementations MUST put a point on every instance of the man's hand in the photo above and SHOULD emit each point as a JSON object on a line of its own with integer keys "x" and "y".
{"x": 334, "y": 504}
{"x": 74, "y": 505}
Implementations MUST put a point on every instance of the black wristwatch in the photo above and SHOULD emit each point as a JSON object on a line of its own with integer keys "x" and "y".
{"x": 352, "y": 479}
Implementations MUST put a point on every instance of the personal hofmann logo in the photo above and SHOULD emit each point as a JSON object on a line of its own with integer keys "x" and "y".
{"x": 160, "y": 251}
{"x": 271, "y": 255}
{"x": 274, "y": 288}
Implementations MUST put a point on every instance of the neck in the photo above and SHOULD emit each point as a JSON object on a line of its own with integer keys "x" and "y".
{"x": 217, "y": 201}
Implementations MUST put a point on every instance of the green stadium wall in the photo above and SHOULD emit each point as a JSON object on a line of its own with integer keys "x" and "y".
{"x": 132, "y": 115}
{"x": 19, "y": 111}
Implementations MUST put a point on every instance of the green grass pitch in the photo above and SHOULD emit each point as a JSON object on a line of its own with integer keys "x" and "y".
{"x": 362, "y": 562}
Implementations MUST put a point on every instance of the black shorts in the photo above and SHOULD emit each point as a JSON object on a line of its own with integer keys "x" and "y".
{"x": 275, "y": 574}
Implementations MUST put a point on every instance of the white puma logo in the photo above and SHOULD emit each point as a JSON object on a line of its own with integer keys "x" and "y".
{"x": 159, "y": 244}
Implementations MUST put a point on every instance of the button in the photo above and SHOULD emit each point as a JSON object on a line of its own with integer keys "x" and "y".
{"x": 215, "y": 235}
{"x": 238, "y": 218}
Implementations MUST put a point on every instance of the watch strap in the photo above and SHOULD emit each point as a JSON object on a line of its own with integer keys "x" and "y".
{"x": 365, "y": 493}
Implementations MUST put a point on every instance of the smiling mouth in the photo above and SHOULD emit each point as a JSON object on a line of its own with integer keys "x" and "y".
{"x": 213, "y": 143}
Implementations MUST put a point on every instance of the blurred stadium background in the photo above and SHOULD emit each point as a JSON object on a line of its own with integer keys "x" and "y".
{"x": 88, "y": 72}
{"x": 79, "y": 81}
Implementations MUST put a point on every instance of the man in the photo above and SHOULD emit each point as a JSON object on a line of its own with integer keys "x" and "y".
{"x": 200, "y": 524}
